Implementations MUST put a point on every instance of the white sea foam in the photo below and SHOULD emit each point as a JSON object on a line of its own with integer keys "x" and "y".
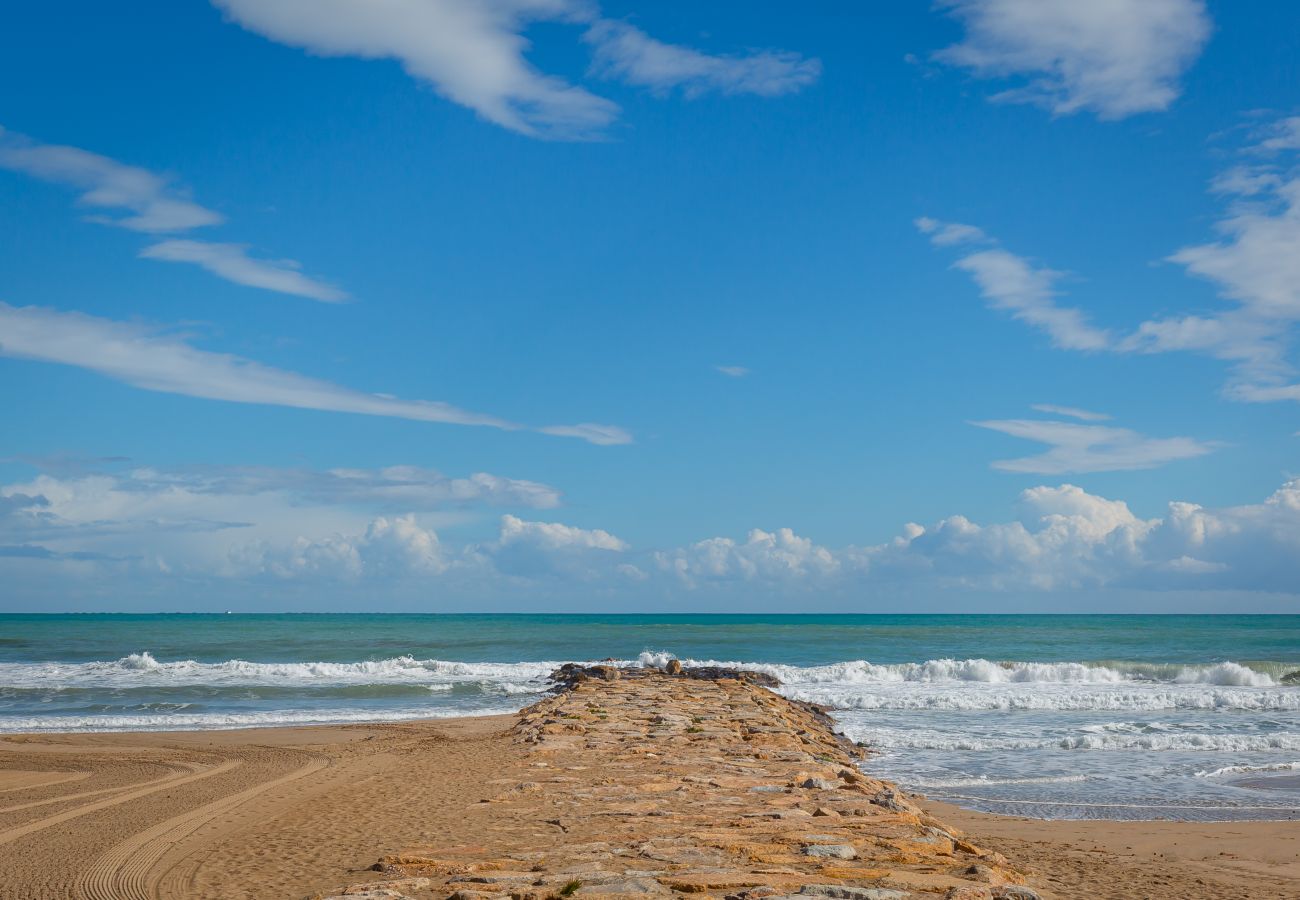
{"x": 985, "y": 781}
{"x": 935, "y": 739}
{"x": 1129, "y": 698}
{"x": 208, "y": 721}
{"x": 1250, "y": 770}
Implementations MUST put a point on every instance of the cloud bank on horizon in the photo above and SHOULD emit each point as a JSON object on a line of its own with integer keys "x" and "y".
{"x": 235, "y": 526}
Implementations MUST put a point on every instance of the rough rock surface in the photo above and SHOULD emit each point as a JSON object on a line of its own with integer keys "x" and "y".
{"x": 641, "y": 783}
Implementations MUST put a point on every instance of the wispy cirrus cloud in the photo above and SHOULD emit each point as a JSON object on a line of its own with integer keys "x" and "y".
{"x": 1116, "y": 58}
{"x": 149, "y": 359}
{"x": 147, "y": 202}
{"x": 590, "y": 432}
{"x": 1072, "y": 411}
{"x": 1256, "y": 267}
{"x": 1254, "y": 263}
{"x": 1077, "y": 448}
{"x": 733, "y": 371}
{"x": 947, "y": 234}
{"x": 474, "y": 53}
{"x": 1015, "y": 285}
{"x": 232, "y": 262}
{"x": 626, "y": 53}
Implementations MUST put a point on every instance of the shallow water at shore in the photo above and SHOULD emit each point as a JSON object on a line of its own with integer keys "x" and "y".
{"x": 1050, "y": 716}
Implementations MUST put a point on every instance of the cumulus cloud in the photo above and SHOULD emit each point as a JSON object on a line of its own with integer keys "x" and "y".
{"x": 251, "y": 519}
{"x": 474, "y": 53}
{"x": 395, "y": 547}
{"x": 148, "y": 202}
{"x": 1076, "y": 447}
{"x": 554, "y": 550}
{"x": 1062, "y": 538}
{"x": 626, "y": 53}
{"x": 1115, "y": 58}
{"x": 232, "y": 262}
{"x": 763, "y": 556}
{"x": 147, "y": 359}
{"x": 1068, "y": 538}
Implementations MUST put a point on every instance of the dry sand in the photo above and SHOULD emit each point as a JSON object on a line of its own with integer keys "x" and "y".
{"x": 288, "y": 812}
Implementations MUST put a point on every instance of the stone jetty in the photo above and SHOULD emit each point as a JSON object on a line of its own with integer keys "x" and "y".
{"x": 692, "y": 783}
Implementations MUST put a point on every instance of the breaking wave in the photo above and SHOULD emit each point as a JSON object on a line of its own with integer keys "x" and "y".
{"x": 1227, "y": 674}
{"x": 143, "y": 668}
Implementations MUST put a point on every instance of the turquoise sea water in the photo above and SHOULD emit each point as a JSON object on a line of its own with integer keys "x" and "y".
{"x": 1056, "y": 716}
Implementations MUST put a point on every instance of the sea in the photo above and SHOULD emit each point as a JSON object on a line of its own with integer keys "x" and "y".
{"x": 1055, "y": 717}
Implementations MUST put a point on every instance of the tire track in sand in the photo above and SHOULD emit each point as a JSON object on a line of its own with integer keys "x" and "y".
{"x": 126, "y": 870}
{"x": 64, "y": 798}
{"x": 152, "y": 787}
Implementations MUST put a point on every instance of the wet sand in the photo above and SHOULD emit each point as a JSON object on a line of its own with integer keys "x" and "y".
{"x": 293, "y": 812}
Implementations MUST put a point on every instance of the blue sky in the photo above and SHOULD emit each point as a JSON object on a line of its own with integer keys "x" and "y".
{"x": 544, "y": 304}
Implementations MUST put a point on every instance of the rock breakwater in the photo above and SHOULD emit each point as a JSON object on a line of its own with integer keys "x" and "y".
{"x": 676, "y": 782}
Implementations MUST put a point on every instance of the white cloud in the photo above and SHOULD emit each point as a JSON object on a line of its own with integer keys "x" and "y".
{"x": 762, "y": 556}
{"x": 146, "y": 359}
{"x": 226, "y": 528}
{"x": 232, "y": 262}
{"x": 629, "y": 54}
{"x": 946, "y": 234}
{"x": 1280, "y": 136}
{"x": 393, "y": 548}
{"x": 1255, "y": 265}
{"x": 555, "y": 536}
{"x": 156, "y": 207}
{"x": 391, "y": 488}
{"x": 554, "y": 550}
{"x": 236, "y": 520}
{"x": 151, "y": 203}
{"x": 470, "y": 51}
{"x": 1113, "y": 57}
{"x": 1072, "y": 411}
{"x": 1011, "y": 283}
{"x": 591, "y": 432}
{"x": 1076, "y": 447}
{"x": 473, "y": 52}
{"x": 1068, "y": 538}
{"x": 733, "y": 371}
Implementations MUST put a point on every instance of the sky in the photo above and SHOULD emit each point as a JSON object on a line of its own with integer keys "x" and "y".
{"x": 557, "y": 305}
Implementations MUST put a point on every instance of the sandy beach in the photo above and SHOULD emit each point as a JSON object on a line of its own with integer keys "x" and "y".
{"x": 303, "y": 812}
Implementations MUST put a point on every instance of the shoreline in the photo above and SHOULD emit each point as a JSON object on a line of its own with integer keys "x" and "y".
{"x": 281, "y": 811}
{"x": 1251, "y": 779}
